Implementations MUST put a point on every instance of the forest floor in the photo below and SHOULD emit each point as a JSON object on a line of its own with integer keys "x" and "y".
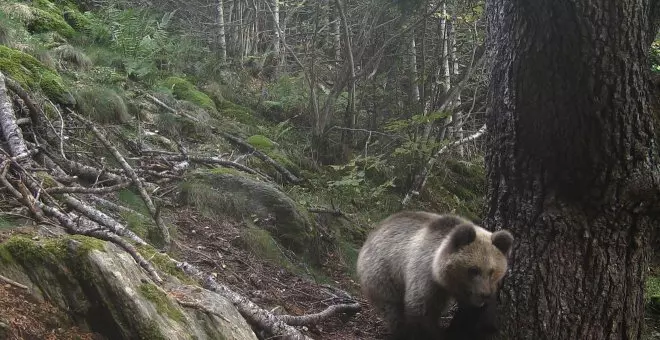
{"x": 212, "y": 246}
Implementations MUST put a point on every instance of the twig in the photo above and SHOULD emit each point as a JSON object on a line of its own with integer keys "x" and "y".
{"x": 165, "y": 233}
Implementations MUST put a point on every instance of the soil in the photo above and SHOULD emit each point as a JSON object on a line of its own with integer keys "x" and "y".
{"x": 215, "y": 247}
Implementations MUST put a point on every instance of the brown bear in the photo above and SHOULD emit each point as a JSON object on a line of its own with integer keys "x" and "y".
{"x": 415, "y": 264}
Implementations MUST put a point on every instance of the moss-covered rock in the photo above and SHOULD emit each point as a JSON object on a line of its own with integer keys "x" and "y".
{"x": 46, "y": 21}
{"x": 243, "y": 197}
{"x": 30, "y": 73}
{"x": 184, "y": 90}
{"x": 104, "y": 290}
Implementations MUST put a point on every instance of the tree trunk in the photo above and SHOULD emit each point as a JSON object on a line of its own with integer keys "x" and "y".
{"x": 222, "y": 39}
{"x": 276, "y": 36}
{"x": 446, "y": 72}
{"x": 457, "y": 114}
{"x": 570, "y": 164}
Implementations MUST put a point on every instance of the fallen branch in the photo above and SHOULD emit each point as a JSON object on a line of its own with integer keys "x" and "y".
{"x": 113, "y": 206}
{"x": 102, "y": 219}
{"x": 85, "y": 190}
{"x": 254, "y": 314}
{"x": 420, "y": 179}
{"x": 8, "y": 126}
{"x": 281, "y": 169}
{"x": 72, "y": 228}
{"x": 165, "y": 233}
{"x": 313, "y": 319}
{"x": 13, "y": 283}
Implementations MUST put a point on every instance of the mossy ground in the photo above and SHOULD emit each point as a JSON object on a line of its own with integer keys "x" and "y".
{"x": 185, "y": 90}
{"x": 32, "y": 74}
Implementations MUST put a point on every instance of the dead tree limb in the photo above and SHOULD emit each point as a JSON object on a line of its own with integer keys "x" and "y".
{"x": 165, "y": 233}
{"x": 13, "y": 283}
{"x": 10, "y": 129}
{"x": 85, "y": 190}
{"x": 72, "y": 228}
{"x": 254, "y": 314}
{"x": 102, "y": 219}
{"x": 281, "y": 169}
{"x": 113, "y": 206}
{"x": 313, "y": 319}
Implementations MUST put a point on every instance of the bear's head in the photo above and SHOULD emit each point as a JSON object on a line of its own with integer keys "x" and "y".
{"x": 471, "y": 261}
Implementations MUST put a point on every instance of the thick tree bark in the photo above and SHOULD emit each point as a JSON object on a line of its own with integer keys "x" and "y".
{"x": 571, "y": 164}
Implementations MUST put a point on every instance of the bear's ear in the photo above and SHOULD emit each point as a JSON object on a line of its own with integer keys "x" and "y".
{"x": 462, "y": 235}
{"x": 502, "y": 240}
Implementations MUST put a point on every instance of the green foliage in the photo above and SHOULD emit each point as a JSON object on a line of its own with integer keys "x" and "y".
{"x": 30, "y": 73}
{"x": 79, "y": 21}
{"x": 652, "y": 294}
{"x": 289, "y": 96}
{"x": 654, "y": 56}
{"x": 184, "y": 90}
{"x": 138, "y": 37}
{"x": 102, "y": 105}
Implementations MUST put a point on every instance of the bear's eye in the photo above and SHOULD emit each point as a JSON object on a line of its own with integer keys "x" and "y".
{"x": 474, "y": 271}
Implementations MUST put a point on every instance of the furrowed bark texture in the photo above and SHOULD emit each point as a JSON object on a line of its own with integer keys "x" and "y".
{"x": 569, "y": 144}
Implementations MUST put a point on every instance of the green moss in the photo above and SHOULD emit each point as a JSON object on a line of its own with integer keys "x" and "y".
{"x": 47, "y": 181}
{"x": 235, "y": 111}
{"x": 77, "y": 20}
{"x": 102, "y": 105}
{"x": 261, "y": 142}
{"x": 184, "y": 90}
{"x": 164, "y": 263}
{"x": 175, "y": 126}
{"x": 259, "y": 242}
{"x": 32, "y": 74}
{"x": 45, "y": 21}
{"x": 5, "y": 256}
{"x": 163, "y": 304}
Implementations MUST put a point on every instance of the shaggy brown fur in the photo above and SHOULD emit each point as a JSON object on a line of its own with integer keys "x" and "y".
{"x": 416, "y": 263}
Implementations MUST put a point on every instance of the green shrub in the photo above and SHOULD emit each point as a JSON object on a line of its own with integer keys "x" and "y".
{"x": 102, "y": 105}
